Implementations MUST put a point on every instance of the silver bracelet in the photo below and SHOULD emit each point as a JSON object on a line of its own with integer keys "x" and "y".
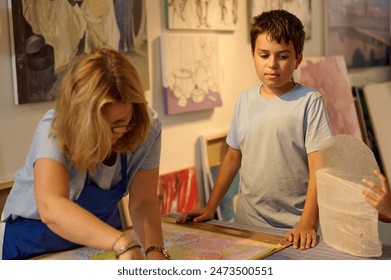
{"x": 131, "y": 245}
{"x": 161, "y": 249}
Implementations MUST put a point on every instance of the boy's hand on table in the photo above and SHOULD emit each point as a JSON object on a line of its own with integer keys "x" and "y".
{"x": 303, "y": 237}
{"x": 196, "y": 216}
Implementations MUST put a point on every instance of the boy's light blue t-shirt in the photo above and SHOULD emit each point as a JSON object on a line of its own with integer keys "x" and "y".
{"x": 21, "y": 201}
{"x": 275, "y": 136}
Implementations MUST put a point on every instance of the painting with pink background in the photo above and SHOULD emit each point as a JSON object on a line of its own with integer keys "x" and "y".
{"x": 329, "y": 76}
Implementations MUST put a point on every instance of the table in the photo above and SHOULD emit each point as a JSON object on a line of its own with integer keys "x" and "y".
{"x": 322, "y": 251}
{"x": 282, "y": 250}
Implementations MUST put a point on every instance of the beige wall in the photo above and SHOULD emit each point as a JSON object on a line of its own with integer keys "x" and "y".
{"x": 180, "y": 132}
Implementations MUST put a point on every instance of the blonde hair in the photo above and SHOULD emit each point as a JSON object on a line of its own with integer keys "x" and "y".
{"x": 93, "y": 82}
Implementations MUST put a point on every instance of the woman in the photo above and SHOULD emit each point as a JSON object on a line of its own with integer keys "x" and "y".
{"x": 99, "y": 144}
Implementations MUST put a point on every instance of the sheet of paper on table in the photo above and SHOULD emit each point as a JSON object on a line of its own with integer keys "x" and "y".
{"x": 196, "y": 241}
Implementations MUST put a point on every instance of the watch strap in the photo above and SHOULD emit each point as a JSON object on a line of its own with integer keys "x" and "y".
{"x": 160, "y": 249}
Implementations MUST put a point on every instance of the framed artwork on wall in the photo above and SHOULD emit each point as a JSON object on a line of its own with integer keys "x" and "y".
{"x": 335, "y": 89}
{"x": 359, "y": 31}
{"x": 300, "y": 8}
{"x": 47, "y": 35}
{"x": 202, "y": 14}
{"x": 190, "y": 72}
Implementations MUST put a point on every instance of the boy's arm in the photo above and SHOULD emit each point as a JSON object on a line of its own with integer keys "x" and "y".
{"x": 304, "y": 235}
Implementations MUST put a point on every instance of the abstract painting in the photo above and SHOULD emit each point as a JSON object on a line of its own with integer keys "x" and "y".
{"x": 202, "y": 14}
{"x": 178, "y": 191}
{"x": 196, "y": 242}
{"x": 47, "y": 35}
{"x": 213, "y": 149}
{"x": 227, "y": 206}
{"x": 359, "y": 30}
{"x": 190, "y": 70}
{"x": 329, "y": 76}
{"x": 300, "y": 8}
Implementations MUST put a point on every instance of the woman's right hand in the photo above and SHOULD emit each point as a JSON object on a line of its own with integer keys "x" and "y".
{"x": 196, "y": 215}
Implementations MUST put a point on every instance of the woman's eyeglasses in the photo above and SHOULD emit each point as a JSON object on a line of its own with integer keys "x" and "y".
{"x": 123, "y": 128}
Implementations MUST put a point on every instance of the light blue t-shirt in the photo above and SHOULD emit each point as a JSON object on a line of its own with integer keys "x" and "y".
{"x": 21, "y": 202}
{"x": 275, "y": 136}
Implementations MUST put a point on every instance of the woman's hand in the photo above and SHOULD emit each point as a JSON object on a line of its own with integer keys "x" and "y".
{"x": 379, "y": 196}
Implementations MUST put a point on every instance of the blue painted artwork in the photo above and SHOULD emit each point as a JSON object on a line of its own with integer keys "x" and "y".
{"x": 228, "y": 204}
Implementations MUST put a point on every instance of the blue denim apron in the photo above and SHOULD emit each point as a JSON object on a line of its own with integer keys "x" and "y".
{"x": 27, "y": 238}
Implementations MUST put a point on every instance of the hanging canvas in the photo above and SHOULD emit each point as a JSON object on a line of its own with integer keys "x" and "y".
{"x": 329, "y": 76}
{"x": 300, "y": 8}
{"x": 202, "y": 14}
{"x": 178, "y": 191}
{"x": 359, "y": 30}
{"x": 190, "y": 73}
{"x": 47, "y": 35}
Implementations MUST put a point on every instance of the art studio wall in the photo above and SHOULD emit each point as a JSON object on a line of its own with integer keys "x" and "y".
{"x": 180, "y": 131}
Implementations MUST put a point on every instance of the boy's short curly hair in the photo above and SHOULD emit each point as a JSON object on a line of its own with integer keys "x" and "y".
{"x": 280, "y": 25}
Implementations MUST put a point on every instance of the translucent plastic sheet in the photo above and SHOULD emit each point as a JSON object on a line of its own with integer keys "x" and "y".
{"x": 348, "y": 223}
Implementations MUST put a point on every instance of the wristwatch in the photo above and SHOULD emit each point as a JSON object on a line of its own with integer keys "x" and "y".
{"x": 161, "y": 249}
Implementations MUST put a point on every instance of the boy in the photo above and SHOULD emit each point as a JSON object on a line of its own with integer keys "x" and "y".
{"x": 275, "y": 133}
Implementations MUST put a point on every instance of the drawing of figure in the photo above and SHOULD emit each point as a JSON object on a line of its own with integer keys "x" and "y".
{"x": 229, "y": 11}
{"x": 204, "y": 77}
{"x": 178, "y": 6}
{"x": 202, "y": 12}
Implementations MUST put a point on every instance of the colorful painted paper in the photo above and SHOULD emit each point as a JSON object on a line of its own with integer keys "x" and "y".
{"x": 196, "y": 242}
{"x": 228, "y": 203}
{"x": 178, "y": 191}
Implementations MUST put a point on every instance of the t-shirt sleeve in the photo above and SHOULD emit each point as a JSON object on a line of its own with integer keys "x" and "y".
{"x": 232, "y": 137}
{"x": 44, "y": 146}
{"x": 318, "y": 126}
{"x": 152, "y": 160}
